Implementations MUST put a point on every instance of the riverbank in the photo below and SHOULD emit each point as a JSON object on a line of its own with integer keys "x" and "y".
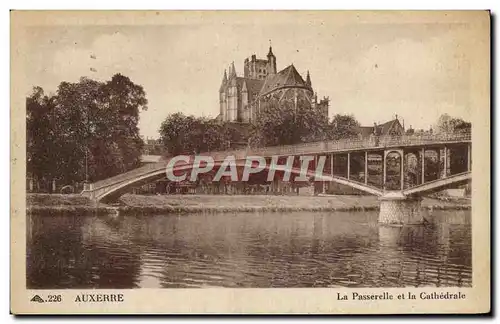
{"x": 164, "y": 204}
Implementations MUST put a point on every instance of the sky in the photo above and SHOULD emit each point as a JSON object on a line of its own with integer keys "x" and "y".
{"x": 370, "y": 69}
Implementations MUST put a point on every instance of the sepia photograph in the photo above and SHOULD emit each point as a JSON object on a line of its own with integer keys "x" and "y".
{"x": 328, "y": 150}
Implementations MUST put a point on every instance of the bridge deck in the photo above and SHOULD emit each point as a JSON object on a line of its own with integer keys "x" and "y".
{"x": 339, "y": 146}
{"x": 438, "y": 184}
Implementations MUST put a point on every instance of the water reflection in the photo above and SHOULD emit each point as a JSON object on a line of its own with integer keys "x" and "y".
{"x": 78, "y": 252}
{"x": 301, "y": 249}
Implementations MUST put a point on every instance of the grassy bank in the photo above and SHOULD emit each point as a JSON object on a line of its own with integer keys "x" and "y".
{"x": 62, "y": 204}
{"x": 245, "y": 203}
{"x": 150, "y": 204}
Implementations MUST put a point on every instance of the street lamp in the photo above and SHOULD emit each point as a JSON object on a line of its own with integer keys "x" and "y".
{"x": 86, "y": 182}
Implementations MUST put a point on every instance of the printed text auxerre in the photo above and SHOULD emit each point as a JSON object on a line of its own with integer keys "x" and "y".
{"x": 99, "y": 298}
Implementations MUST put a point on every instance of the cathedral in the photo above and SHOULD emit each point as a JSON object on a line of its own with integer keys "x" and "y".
{"x": 241, "y": 98}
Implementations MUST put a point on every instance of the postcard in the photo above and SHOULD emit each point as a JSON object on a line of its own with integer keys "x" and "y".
{"x": 250, "y": 162}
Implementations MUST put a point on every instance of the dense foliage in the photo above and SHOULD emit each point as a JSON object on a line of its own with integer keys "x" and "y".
{"x": 448, "y": 124}
{"x": 284, "y": 123}
{"x": 276, "y": 124}
{"x": 87, "y": 129}
{"x": 181, "y": 134}
{"x": 343, "y": 126}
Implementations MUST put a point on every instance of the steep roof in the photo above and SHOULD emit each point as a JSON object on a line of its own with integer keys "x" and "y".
{"x": 385, "y": 127}
{"x": 287, "y": 77}
{"x": 239, "y": 82}
{"x": 382, "y": 129}
{"x": 254, "y": 86}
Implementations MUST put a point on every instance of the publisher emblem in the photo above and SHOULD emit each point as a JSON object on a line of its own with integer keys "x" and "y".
{"x": 37, "y": 299}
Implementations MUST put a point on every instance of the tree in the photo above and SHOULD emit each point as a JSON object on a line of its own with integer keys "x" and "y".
{"x": 41, "y": 139}
{"x": 448, "y": 124}
{"x": 181, "y": 134}
{"x": 461, "y": 126}
{"x": 122, "y": 101}
{"x": 343, "y": 126}
{"x": 283, "y": 123}
{"x": 85, "y": 124}
{"x": 76, "y": 110}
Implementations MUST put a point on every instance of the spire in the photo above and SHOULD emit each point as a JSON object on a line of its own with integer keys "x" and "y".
{"x": 224, "y": 82}
{"x": 232, "y": 70}
{"x": 271, "y": 61}
{"x": 308, "y": 79}
{"x": 270, "y": 49}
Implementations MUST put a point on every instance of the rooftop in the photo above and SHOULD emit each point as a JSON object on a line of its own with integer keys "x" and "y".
{"x": 288, "y": 77}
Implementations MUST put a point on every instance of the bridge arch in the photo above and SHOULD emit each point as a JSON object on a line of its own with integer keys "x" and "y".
{"x": 439, "y": 184}
{"x": 115, "y": 190}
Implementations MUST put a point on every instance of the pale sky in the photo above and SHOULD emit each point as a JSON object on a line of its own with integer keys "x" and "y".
{"x": 371, "y": 70}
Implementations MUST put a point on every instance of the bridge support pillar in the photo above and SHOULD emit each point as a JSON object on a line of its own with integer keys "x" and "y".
{"x": 396, "y": 209}
{"x": 366, "y": 167}
{"x": 88, "y": 190}
{"x": 469, "y": 160}
{"x": 348, "y": 166}
{"x": 88, "y": 186}
{"x": 422, "y": 166}
{"x": 446, "y": 162}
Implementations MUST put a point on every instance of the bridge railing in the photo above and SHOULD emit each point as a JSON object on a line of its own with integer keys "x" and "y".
{"x": 302, "y": 149}
{"x": 422, "y": 139}
{"x": 151, "y": 167}
{"x": 343, "y": 144}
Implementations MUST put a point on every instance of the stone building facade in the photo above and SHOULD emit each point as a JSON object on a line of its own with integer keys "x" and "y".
{"x": 241, "y": 97}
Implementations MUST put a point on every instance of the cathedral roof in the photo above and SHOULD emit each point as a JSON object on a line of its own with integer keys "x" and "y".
{"x": 254, "y": 86}
{"x": 288, "y": 77}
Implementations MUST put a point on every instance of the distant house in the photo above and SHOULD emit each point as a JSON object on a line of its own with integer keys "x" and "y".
{"x": 392, "y": 127}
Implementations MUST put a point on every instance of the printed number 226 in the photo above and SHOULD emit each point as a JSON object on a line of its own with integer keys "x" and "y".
{"x": 54, "y": 298}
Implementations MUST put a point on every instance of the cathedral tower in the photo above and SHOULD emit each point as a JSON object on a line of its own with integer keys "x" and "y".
{"x": 271, "y": 62}
{"x": 259, "y": 69}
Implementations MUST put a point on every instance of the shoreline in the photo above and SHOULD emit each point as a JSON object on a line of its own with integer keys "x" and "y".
{"x": 46, "y": 204}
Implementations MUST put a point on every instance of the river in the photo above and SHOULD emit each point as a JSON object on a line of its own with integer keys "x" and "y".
{"x": 297, "y": 249}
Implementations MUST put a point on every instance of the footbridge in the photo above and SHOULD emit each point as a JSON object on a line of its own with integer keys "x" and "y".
{"x": 394, "y": 168}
